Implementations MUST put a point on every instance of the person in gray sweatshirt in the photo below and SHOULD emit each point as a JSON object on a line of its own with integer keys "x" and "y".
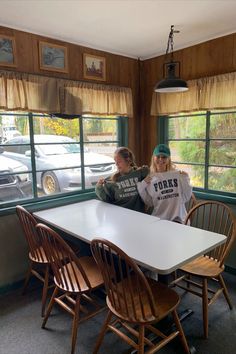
{"x": 121, "y": 188}
{"x": 166, "y": 189}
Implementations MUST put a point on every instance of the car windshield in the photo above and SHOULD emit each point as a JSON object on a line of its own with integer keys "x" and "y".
{"x": 61, "y": 149}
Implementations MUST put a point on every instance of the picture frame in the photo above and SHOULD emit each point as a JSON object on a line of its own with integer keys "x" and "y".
{"x": 53, "y": 57}
{"x": 7, "y": 51}
{"x": 94, "y": 67}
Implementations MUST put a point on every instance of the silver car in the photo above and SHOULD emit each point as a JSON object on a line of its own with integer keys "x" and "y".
{"x": 58, "y": 161}
{"x": 14, "y": 180}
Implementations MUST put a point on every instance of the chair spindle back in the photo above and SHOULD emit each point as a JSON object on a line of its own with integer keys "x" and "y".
{"x": 67, "y": 269}
{"x": 28, "y": 224}
{"x": 126, "y": 286}
{"x": 216, "y": 217}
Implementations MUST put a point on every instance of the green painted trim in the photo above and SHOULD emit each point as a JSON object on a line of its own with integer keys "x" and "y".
{"x": 212, "y": 196}
{"x": 162, "y": 130}
{"x": 50, "y": 203}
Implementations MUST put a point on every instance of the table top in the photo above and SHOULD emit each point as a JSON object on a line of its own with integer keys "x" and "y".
{"x": 158, "y": 245}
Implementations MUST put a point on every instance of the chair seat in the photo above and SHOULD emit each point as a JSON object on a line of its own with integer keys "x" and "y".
{"x": 203, "y": 266}
{"x": 165, "y": 299}
{"x": 38, "y": 256}
{"x": 71, "y": 272}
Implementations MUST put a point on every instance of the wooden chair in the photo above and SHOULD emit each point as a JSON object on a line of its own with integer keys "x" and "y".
{"x": 75, "y": 278}
{"x": 37, "y": 256}
{"x": 216, "y": 217}
{"x": 135, "y": 301}
{"x": 191, "y": 203}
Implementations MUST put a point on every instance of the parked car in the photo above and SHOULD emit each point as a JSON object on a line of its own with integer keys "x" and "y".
{"x": 8, "y": 132}
{"x": 14, "y": 186}
{"x": 58, "y": 163}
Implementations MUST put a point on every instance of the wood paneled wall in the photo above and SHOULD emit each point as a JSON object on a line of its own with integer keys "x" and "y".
{"x": 213, "y": 57}
{"x": 210, "y": 58}
{"x": 120, "y": 70}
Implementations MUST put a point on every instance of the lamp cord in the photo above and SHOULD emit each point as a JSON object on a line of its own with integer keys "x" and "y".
{"x": 170, "y": 42}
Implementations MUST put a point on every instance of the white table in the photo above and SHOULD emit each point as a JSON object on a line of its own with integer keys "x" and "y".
{"x": 158, "y": 245}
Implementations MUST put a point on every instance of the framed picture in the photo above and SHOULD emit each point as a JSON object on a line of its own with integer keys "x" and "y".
{"x": 7, "y": 50}
{"x": 53, "y": 57}
{"x": 94, "y": 67}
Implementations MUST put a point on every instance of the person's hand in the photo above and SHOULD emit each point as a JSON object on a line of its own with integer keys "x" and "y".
{"x": 100, "y": 182}
{"x": 148, "y": 179}
{"x": 183, "y": 173}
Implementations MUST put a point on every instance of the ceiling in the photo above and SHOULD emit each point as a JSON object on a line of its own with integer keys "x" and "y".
{"x": 133, "y": 28}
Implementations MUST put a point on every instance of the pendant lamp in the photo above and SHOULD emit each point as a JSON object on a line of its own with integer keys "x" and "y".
{"x": 172, "y": 82}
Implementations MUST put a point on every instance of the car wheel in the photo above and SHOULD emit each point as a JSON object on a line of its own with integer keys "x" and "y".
{"x": 50, "y": 183}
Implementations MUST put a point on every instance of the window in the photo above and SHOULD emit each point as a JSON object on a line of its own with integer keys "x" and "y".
{"x": 43, "y": 156}
{"x": 204, "y": 145}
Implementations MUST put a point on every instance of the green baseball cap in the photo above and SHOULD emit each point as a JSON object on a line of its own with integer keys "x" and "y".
{"x": 161, "y": 149}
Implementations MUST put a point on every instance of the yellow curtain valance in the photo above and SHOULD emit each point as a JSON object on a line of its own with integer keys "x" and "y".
{"x": 216, "y": 92}
{"x": 28, "y": 92}
{"x": 97, "y": 99}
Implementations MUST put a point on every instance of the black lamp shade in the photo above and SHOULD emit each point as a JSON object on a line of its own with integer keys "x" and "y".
{"x": 171, "y": 83}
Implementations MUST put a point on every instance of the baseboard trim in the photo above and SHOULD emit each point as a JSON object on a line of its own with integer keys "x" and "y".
{"x": 10, "y": 287}
{"x": 231, "y": 270}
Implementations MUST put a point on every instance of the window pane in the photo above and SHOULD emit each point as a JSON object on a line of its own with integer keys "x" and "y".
{"x": 21, "y": 153}
{"x": 190, "y": 137}
{"x": 187, "y": 151}
{"x": 13, "y": 125}
{"x": 223, "y": 152}
{"x": 101, "y": 137}
{"x": 59, "y": 181}
{"x": 99, "y": 162}
{"x": 196, "y": 174}
{"x": 187, "y": 127}
{"x": 13, "y": 186}
{"x": 107, "y": 149}
{"x": 45, "y": 125}
{"x": 58, "y": 162}
{"x": 100, "y": 129}
{"x": 223, "y": 126}
{"x": 222, "y": 179}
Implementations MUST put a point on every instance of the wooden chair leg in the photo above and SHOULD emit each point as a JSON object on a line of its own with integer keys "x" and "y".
{"x": 75, "y": 323}
{"x": 45, "y": 290}
{"x": 181, "y": 332}
{"x": 225, "y": 291}
{"x": 141, "y": 340}
{"x": 27, "y": 278}
{"x": 205, "y": 307}
{"x": 102, "y": 333}
{"x": 49, "y": 309}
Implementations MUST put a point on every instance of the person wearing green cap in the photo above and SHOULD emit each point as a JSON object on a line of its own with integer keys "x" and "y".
{"x": 121, "y": 188}
{"x": 166, "y": 189}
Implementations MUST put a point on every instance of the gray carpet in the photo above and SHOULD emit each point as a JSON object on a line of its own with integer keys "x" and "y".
{"x": 21, "y": 333}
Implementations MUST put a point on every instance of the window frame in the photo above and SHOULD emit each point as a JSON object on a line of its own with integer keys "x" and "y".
{"x": 205, "y": 192}
{"x": 37, "y": 203}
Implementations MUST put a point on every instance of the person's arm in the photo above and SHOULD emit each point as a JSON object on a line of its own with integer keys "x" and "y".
{"x": 102, "y": 191}
{"x": 142, "y": 189}
{"x": 185, "y": 186}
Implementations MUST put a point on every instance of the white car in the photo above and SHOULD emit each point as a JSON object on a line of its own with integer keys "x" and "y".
{"x": 57, "y": 164}
{"x": 13, "y": 186}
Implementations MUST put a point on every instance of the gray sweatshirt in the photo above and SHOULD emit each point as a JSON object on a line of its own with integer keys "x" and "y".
{"x": 123, "y": 191}
{"x": 167, "y": 193}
